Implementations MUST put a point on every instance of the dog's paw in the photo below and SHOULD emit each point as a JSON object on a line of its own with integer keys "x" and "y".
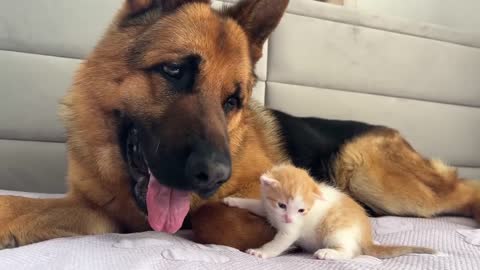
{"x": 330, "y": 254}
{"x": 259, "y": 253}
{"x": 7, "y": 240}
{"x": 231, "y": 201}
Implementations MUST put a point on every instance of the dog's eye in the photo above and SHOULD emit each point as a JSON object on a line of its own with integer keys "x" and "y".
{"x": 172, "y": 70}
{"x": 231, "y": 103}
{"x": 301, "y": 210}
{"x": 282, "y": 205}
{"x": 180, "y": 74}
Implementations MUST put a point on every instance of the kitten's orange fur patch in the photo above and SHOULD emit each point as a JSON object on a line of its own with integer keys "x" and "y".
{"x": 294, "y": 182}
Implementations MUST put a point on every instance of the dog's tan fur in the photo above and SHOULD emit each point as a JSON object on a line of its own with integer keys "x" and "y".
{"x": 379, "y": 169}
{"x": 383, "y": 171}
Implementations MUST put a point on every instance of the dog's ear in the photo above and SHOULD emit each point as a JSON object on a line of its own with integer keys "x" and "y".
{"x": 139, "y": 6}
{"x": 147, "y": 11}
{"x": 258, "y": 18}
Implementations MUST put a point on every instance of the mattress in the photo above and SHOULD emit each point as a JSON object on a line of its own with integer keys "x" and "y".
{"x": 456, "y": 239}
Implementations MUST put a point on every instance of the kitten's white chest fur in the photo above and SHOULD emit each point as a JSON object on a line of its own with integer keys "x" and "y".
{"x": 309, "y": 238}
{"x": 306, "y": 230}
{"x": 308, "y": 241}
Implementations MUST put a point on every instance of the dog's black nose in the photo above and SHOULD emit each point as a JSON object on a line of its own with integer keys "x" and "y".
{"x": 207, "y": 170}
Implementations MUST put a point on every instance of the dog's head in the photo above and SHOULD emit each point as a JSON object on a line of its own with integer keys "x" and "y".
{"x": 174, "y": 77}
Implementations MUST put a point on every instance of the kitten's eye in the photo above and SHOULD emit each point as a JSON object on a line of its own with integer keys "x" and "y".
{"x": 171, "y": 70}
{"x": 282, "y": 205}
{"x": 301, "y": 210}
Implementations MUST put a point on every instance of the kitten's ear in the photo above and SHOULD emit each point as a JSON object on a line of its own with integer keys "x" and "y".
{"x": 318, "y": 195}
{"x": 267, "y": 181}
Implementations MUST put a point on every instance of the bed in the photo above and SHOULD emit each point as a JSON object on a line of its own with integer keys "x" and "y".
{"x": 456, "y": 239}
{"x": 419, "y": 78}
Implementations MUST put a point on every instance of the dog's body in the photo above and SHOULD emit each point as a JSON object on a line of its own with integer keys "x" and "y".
{"x": 165, "y": 97}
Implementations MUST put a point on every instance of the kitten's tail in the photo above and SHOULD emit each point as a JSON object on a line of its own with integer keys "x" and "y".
{"x": 384, "y": 252}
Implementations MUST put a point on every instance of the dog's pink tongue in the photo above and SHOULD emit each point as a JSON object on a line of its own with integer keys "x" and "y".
{"x": 167, "y": 207}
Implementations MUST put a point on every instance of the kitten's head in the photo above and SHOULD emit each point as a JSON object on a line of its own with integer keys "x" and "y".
{"x": 289, "y": 193}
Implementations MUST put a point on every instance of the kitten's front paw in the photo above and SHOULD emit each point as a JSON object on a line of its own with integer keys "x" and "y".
{"x": 330, "y": 254}
{"x": 259, "y": 253}
{"x": 231, "y": 201}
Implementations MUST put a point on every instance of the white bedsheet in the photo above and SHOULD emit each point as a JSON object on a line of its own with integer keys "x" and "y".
{"x": 457, "y": 240}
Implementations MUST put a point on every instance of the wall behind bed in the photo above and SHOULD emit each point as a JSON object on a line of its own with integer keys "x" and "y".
{"x": 461, "y": 15}
{"x": 324, "y": 60}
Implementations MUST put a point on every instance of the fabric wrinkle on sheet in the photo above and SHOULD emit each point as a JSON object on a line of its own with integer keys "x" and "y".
{"x": 194, "y": 255}
{"x": 470, "y": 236}
{"x": 141, "y": 243}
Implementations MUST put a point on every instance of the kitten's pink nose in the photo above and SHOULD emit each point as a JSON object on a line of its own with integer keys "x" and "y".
{"x": 288, "y": 219}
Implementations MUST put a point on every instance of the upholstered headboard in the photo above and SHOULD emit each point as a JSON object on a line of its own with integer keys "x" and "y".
{"x": 323, "y": 60}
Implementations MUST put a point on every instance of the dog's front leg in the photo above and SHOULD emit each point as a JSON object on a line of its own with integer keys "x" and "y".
{"x": 25, "y": 221}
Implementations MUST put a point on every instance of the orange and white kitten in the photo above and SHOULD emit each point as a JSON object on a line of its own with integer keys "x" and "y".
{"x": 314, "y": 216}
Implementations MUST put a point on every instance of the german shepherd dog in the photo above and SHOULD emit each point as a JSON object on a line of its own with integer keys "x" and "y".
{"x": 161, "y": 125}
